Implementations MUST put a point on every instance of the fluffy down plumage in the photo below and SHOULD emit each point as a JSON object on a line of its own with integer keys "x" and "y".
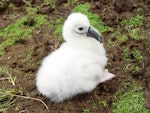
{"x": 78, "y": 66}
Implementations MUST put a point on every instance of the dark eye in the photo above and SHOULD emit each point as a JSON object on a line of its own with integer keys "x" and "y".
{"x": 80, "y": 28}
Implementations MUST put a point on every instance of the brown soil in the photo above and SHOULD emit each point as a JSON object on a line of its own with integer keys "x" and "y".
{"x": 24, "y": 67}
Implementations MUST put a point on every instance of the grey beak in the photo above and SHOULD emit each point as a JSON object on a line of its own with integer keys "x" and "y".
{"x": 92, "y": 33}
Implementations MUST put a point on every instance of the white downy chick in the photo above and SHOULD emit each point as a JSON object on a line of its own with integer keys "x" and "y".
{"x": 78, "y": 66}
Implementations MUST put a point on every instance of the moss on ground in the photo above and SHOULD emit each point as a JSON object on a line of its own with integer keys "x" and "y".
{"x": 21, "y": 29}
{"x": 134, "y": 21}
{"x": 130, "y": 99}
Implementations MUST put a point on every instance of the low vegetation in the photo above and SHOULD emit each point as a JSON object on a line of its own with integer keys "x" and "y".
{"x": 129, "y": 99}
{"x": 86, "y": 111}
{"x": 6, "y": 99}
{"x": 104, "y": 103}
{"x": 134, "y": 21}
{"x": 51, "y": 3}
{"x": 133, "y": 54}
{"x": 21, "y": 29}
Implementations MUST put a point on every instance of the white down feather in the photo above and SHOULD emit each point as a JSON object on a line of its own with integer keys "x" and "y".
{"x": 76, "y": 67}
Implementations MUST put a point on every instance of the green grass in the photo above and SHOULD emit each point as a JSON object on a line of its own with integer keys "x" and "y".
{"x": 130, "y": 99}
{"x": 134, "y": 21}
{"x": 7, "y": 75}
{"x": 6, "y": 95}
{"x": 137, "y": 55}
{"x": 134, "y": 69}
{"x": 127, "y": 55}
{"x": 51, "y": 2}
{"x": 132, "y": 27}
{"x": 116, "y": 38}
{"x": 111, "y": 43}
{"x": 9, "y": 96}
{"x": 134, "y": 58}
{"x": 58, "y": 26}
{"x": 21, "y": 29}
{"x": 48, "y": 1}
{"x": 147, "y": 45}
{"x": 104, "y": 103}
{"x": 131, "y": 31}
{"x": 136, "y": 33}
{"x": 133, "y": 54}
{"x": 72, "y": 2}
{"x": 6, "y": 99}
{"x": 86, "y": 111}
{"x": 122, "y": 38}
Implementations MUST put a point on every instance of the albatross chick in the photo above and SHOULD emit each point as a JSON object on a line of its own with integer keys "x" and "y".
{"x": 78, "y": 66}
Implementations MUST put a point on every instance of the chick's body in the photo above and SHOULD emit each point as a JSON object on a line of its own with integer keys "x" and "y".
{"x": 71, "y": 70}
{"x": 76, "y": 67}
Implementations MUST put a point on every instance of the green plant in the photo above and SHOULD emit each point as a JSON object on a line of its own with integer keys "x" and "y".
{"x": 137, "y": 55}
{"x": 40, "y": 20}
{"x": 134, "y": 58}
{"x": 111, "y": 43}
{"x": 21, "y": 29}
{"x": 51, "y": 2}
{"x": 147, "y": 46}
{"x": 83, "y": 8}
{"x": 17, "y": 108}
{"x": 129, "y": 99}
{"x": 136, "y": 33}
{"x": 3, "y": 71}
{"x": 134, "y": 21}
{"x": 72, "y": 2}
{"x": 127, "y": 55}
{"x": 28, "y": 56}
{"x": 104, "y": 103}
{"x": 132, "y": 68}
{"x": 132, "y": 28}
{"x": 122, "y": 38}
{"x": 47, "y": 1}
{"x": 86, "y": 111}
{"x": 116, "y": 38}
{"x": 9, "y": 96}
{"x": 133, "y": 54}
{"x": 6, "y": 99}
{"x": 94, "y": 18}
{"x": 58, "y": 26}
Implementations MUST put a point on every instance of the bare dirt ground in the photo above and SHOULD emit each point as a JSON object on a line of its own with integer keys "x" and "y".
{"x": 24, "y": 69}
